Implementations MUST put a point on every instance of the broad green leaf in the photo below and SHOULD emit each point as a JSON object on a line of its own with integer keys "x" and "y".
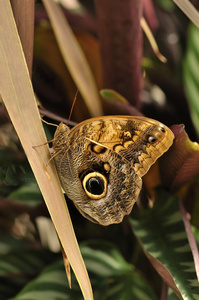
{"x": 15, "y": 174}
{"x": 24, "y": 262}
{"x": 19, "y": 266}
{"x": 172, "y": 295}
{"x": 163, "y": 237}
{"x": 50, "y": 284}
{"x": 103, "y": 259}
{"x": 195, "y": 209}
{"x": 196, "y": 234}
{"x": 8, "y": 243}
{"x": 28, "y": 193}
{"x": 191, "y": 73}
{"x": 112, "y": 278}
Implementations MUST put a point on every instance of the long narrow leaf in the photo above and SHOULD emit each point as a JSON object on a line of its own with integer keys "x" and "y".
{"x": 74, "y": 58}
{"x": 190, "y": 73}
{"x": 18, "y": 96}
{"x": 187, "y": 7}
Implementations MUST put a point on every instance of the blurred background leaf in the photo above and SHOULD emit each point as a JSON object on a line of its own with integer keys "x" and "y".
{"x": 162, "y": 235}
{"x": 109, "y": 271}
{"x": 190, "y": 72}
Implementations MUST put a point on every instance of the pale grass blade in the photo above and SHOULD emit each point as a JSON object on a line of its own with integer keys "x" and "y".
{"x": 74, "y": 58}
{"x": 189, "y": 10}
{"x": 17, "y": 94}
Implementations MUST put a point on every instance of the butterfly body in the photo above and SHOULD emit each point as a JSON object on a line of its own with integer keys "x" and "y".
{"x": 100, "y": 162}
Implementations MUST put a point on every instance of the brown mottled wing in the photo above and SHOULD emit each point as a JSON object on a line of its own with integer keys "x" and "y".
{"x": 140, "y": 140}
{"x": 123, "y": 183}
{"x": 119, "y": 150}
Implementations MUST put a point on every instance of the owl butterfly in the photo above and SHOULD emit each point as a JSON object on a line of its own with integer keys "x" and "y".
{"x": 101, "y": 161}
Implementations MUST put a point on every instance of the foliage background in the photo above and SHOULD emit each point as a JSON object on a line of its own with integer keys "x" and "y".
{"x": 152, "y": 249}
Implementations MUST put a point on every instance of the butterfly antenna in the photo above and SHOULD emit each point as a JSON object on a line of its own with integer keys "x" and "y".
{"x": 72, "y": 107}
{"x": 49, "y": 123}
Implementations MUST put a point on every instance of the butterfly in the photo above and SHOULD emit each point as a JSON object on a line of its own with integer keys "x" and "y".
{"x": 100, "y": 162}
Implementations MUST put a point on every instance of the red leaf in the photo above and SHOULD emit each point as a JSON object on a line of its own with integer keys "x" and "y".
{"x": 181, "y": 163}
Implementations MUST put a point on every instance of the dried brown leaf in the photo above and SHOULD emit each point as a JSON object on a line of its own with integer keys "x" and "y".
{"x": 181, "y": 163}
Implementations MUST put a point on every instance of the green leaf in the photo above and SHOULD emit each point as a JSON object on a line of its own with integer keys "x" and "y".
{"x": 28, "y": 193}
{"x": 18, "y": 267}
{"x": 102, "y": 259}
{"x": 111, "y": 94}
{"x": 168, "y": 5}
{"x": 16, "y": 174}
{"x": 8, "y": 243}
{"x": 163, "y": 237}
{"x": 196, "y": 234}
{"x": 172, "y": 295}
{"x": 50, "y": 284}
{"x": 27, "y": 262}
{"x": 191, "y": 73}
{"x": 112, "y": 278}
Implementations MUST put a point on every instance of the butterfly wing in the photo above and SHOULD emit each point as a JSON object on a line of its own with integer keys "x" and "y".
{"x": 100, "y": 163}
{"x": 103, "y": 187}
{"x": 140, "y": 140}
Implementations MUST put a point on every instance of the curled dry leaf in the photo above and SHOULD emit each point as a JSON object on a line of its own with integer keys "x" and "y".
{"x": 164, "y": 273}
{"x": 181, "y": 163}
